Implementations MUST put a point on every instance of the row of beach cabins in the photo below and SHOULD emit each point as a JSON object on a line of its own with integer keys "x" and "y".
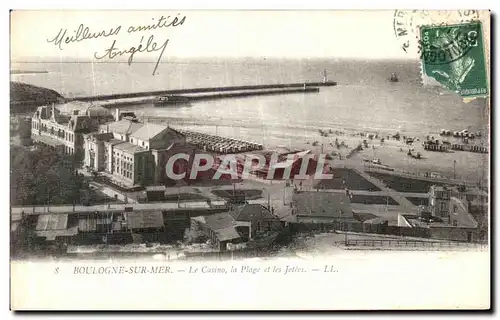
{"x": 460, "y": 134}
{"x": 208, "y": 142}
{"x": 435, "y": 145}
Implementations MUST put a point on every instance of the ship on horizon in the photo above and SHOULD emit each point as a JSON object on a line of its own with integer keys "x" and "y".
{"x": 394, "y": 78}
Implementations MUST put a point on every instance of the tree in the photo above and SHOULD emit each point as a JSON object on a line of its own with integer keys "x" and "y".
{"x": 41, "y": 177}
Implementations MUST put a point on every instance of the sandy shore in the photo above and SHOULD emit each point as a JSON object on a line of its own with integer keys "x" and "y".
{"x": 467, "y": 166}
{"x": 470, "y": 167}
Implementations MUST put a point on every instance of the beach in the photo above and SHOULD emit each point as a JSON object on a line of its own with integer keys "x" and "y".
{"x": 364, "y": 101}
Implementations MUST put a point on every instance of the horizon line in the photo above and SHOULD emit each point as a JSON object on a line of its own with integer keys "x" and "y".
{"x": 177, "y": 58}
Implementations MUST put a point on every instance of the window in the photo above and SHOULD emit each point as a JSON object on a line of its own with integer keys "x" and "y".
{"x": 442, "y": 206}
{"x": 143, "y": 143}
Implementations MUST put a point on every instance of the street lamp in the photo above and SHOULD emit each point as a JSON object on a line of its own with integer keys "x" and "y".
{"x": 454, "y": 166}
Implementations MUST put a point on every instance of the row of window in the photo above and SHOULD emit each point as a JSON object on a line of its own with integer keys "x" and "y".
{"x": 124, "y": 156}
{"x": 122, "y": 172}
{"x": 68, "y": 150}
{"x": 124, "y": 164}
{"x": 68, "y": 136}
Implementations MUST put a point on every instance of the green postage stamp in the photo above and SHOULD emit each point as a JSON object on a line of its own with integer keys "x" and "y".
{"x": 454, "y": 56}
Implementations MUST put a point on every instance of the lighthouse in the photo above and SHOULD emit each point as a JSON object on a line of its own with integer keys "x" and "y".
{"x": 325, "y": 77}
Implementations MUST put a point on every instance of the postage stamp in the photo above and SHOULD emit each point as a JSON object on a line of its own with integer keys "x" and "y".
{"x": 454, "y": 56}
{"x": 406, "y": 24}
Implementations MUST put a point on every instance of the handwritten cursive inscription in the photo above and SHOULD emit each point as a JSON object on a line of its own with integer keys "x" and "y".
{"x": 151, "y": 46}
{"x": 81, "y": 34}
{"x": 161, "y": 23}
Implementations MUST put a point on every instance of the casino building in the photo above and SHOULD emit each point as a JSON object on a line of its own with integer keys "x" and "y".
{"x": 133, "y": 153}
{"x": 64, "y": 132}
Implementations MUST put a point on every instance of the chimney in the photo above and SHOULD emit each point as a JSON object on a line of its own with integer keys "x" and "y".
{"x": 117, "y": 114}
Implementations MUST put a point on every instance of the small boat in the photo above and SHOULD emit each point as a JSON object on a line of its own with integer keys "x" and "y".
{"x": 170, "y": 99}
{"x": 393, "y": 78}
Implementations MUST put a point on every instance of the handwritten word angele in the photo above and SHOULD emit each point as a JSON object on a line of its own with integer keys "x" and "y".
{"x": 84, "y": 33}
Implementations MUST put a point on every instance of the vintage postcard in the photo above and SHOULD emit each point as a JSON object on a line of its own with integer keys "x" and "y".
{"x": 250, "y": 160}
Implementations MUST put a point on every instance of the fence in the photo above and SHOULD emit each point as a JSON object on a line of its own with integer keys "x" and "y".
{"x": 226, "y": 255}
{"x": 451, "y": 234}
{"x": 360, "y": 227}
{"x": 414, "y": 244}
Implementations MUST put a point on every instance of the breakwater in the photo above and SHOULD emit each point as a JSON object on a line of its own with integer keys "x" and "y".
{"x": 307, "y": 85}
{"x": 249, "y": 93}
{"x": 185, "y": 99}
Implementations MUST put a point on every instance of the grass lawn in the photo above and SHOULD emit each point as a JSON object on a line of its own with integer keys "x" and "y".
{"x": 184, "y": 196}
{"x": 367, "y": 199}
{"x": 353, "y": 181}
{"x": 97, "y": 197}
{"x": 418, "y": 201}
{"x": 249, "y": 194}
{"x": 402, "y": 184}
{"x": 362, "y": 216}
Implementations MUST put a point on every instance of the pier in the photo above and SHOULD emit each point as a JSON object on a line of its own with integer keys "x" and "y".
{"x": 249, "y": 93}
{"x": 247, "y": 88}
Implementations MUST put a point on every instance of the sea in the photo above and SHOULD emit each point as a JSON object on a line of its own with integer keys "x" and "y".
{"x": 364, "y": 99}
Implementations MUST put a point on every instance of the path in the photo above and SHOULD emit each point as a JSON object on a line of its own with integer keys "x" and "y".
{"x": 403, "y": 202}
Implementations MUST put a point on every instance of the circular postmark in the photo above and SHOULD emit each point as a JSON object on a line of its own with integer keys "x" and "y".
{"x": 446, "y": 44}
{"x": 406, "y": 23}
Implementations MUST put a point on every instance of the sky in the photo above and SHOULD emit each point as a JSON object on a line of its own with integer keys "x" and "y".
{"x": 272, "y": 34}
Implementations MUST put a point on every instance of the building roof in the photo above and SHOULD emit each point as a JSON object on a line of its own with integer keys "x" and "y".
{"x": 156, "y": 188}
{"x": 218, "y": 221}
{"x": 415, "y": 221}
{"x": 226, "y": 234}
{"x": 95, "y": 111}
{"x": 327, "y": 204}
{"x": 114, "y": 141}
{"x": 47, "y": 140}
{"x": 129, "y": 148}
{"x": 148, "y": 131}
{"x": 106, "y": 136}
{"x": 52, "y": 234}
{"x": 377, "y": 220}
{"x": 89, "y": 222}
{"x": 144, "y": 219}
{"x": 52, "y": 222}
{"x": 79, "y": 122}
{"x": 249, "y": 212}
{"x": 222, "y": 224}
{"x": 123, "y": 127}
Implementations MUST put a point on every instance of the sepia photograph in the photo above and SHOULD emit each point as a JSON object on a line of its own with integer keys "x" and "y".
{"x": 211, "y": 145}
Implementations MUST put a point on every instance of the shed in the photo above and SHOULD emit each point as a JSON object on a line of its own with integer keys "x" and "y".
{"x": 144, "y": 220}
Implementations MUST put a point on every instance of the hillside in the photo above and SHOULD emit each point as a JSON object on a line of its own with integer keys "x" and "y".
{"x": 23, "y": 94}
